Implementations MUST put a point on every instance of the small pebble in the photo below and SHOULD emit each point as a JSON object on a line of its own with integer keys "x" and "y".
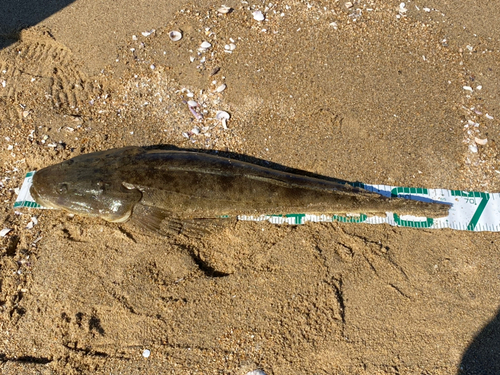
{"x": 468, "y": 88}
{"x": 146, "y": 353}
{"x": 473, "y": 148}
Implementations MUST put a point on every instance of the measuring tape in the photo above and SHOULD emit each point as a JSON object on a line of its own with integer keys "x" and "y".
{"x": 470, "y": 210}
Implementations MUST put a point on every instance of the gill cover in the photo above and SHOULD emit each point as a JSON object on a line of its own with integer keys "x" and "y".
{"x": 89, "y": 185}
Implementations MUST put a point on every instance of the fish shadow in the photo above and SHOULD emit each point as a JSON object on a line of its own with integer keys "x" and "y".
{"x": 482, "y": 357}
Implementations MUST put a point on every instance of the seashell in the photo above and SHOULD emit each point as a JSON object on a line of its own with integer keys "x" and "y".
{"x": 468, "y": 88}
{"x": 223, "y": 116}
{"x": 258, "y": 16}
{"x": 4, "y": 232}
{"x": 221, "y": 88}
{"x": 480, "y": 141}
{"x": 148, "y": 33}
{"x": 205, "y": 45}
{"x": 175, "y": 36}
{"x": 224, "y": 9}
{"x": 192, "y": 103}
{"x": 195, "y": 130}
{"x": 473, "y": 148}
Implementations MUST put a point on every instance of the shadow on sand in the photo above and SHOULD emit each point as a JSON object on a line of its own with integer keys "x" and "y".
{"x": 482, "y": 357}
{"x": 16, "y": 15}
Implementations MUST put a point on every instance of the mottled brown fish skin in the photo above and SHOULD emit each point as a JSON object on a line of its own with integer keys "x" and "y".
{"x": 190, "y": 185}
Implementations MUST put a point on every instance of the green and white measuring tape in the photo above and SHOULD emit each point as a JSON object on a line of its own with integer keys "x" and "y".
{"x": 470, "y": 210}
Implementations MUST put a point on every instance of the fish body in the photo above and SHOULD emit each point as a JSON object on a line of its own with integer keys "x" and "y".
{"x": 113, "y": 184}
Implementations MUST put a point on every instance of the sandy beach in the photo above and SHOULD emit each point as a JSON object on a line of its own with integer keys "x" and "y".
{"x": 379, "y": 92}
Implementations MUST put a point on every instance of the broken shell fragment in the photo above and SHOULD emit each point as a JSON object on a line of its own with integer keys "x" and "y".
{"x": 480, "y": 141}
{"x": 224, "y": 9}
{"x": 258, "y": 16}
{"x": 223, "y": 116}
{"x": 192, "y": 103}
{"x": 205, "y": 45}
{"x": 175, "y": 36}
{"x": 148, "y": 33}
{"x": 4, "y": 232}
{"x": 221, "y": 88}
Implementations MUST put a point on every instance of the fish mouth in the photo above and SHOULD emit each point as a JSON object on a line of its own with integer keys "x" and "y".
{"x": 41, "y": 201}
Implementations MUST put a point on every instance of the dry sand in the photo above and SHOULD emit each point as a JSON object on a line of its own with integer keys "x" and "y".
{"x": 369, "y": 93}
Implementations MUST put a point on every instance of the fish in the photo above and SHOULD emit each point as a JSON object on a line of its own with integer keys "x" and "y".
{"x": 155, "y": 185}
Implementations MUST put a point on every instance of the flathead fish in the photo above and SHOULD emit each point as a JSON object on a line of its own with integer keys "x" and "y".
{"x": 132, "y": 182}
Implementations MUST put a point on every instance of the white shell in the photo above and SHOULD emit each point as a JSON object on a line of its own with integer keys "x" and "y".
{"x": 480, "y": 141}
{"x": 224, "y": 9}
{"x": 192, "y": 103}
{"x": 205, "y": 45}
{"x": 148, "y": 33}
{"x": 221, "y": 88}
{"x": 222, "y": 115}
{"x": 256, "y": 372}
{"x": 473, "y": 148}
{"x": 258, "y": 16}
{"x": 4, "y": 232}
{"x": 175, "y": 36}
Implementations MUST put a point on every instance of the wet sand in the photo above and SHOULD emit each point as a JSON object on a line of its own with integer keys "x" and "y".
{"x": 371, "y": 93}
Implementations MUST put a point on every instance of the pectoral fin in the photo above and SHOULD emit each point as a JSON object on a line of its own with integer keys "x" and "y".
{"x": 163, "y": 222}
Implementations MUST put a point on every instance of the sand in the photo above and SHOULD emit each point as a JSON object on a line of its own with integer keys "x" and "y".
{"x": 368, "y": 93}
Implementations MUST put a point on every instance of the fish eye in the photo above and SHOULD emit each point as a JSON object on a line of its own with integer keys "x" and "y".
{"x": 62, "y": 189}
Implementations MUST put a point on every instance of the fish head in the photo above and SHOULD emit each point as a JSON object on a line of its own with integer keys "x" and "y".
{"x": 86, "y": 185}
